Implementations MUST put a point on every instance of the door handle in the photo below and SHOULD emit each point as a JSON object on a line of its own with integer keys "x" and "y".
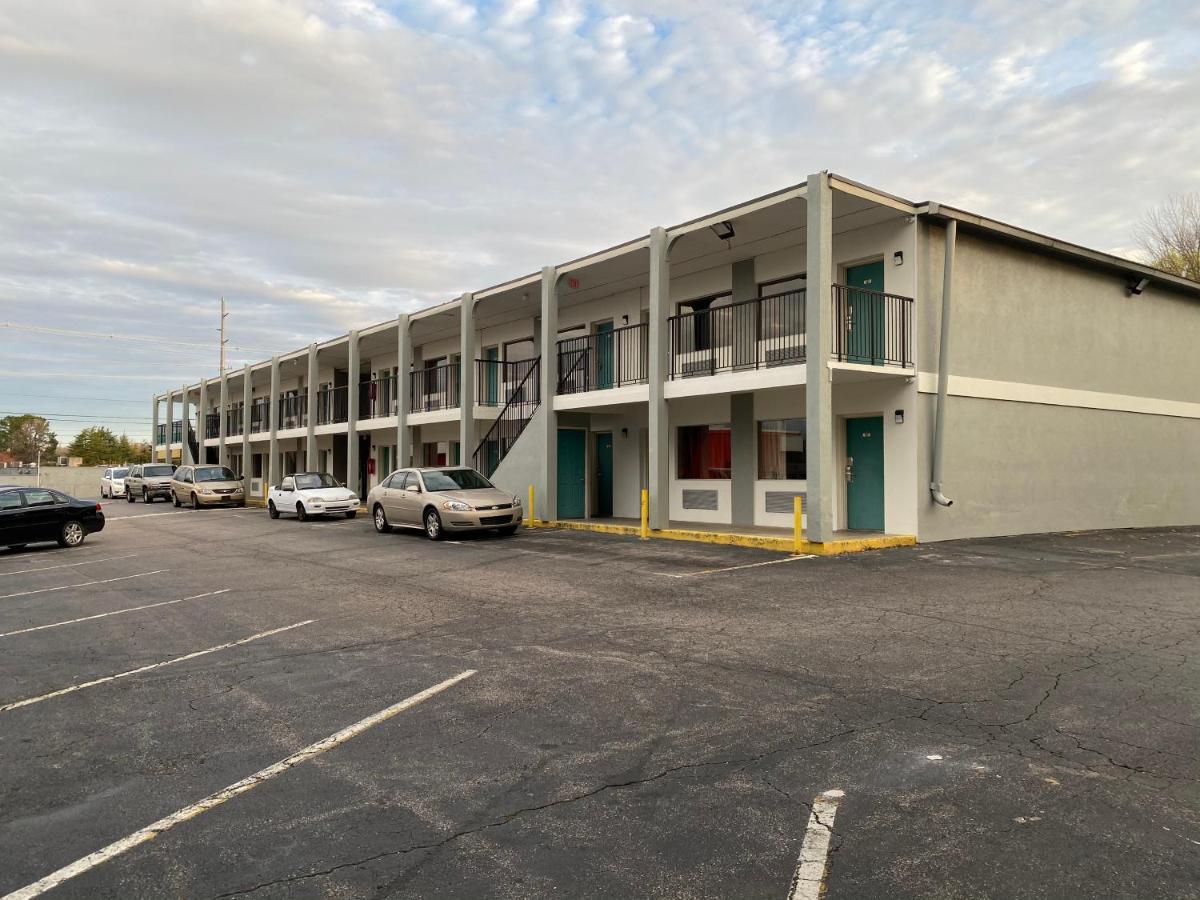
{"x": 849, "y": 469}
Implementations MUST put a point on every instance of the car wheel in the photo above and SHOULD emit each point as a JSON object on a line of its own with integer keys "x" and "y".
{"x": 71, "y": 534}
{"x": 103, "y": 496}
{"x": 271, "y": 510}
{"x": 195, "y": 502}
{"x": 433, "y": 525}
{"x": 381, "y": 522}
{"x": 351, "y": 513}
{"x": 129, "y": 496}
{"x": 145, "y": 496}
{"x": 301, "y": 513}
{"x": 175, "y": 500}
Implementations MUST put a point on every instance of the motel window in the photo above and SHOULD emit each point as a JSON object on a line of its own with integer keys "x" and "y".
{"x": 781, "y": 449}
{"x": 783, "y": 314}
{"x": 705, "y": 328}
{"x": 704, "y": 451}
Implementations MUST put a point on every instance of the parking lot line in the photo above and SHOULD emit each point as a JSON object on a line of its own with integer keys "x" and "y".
{"x": 809, "y": 879}
{"x": 86, "y": 562}
{"x": 17, "y": 704}
{"x": 769, "y": 562}
{"x": 115, "y": 612}
{"x": 66, "y": 587}
{"x": 150, "y": 832}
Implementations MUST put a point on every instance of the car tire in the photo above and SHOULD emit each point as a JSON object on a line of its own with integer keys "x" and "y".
{"x": 129, "y": 496}
{"x": 195, "y": 502}
{"x": 175, "y": 500}
{"x": 145, "y": 496}
{"x": 351, "y": 513}
{"x": 301, "y": 513}
{"x": 71, "y": 534}
{"x": 380, "y": 517}
{"x": 433, "y": 525}
{"x": 103, "y": 496}
{"x": 271, "y": 510}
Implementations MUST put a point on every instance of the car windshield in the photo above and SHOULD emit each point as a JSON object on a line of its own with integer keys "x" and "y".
{"x": 157, "y": 470}
{"x": 120, "y": 473}
{"x": 307, "y": 482}
{"x": 453, "y": 480}
{"x": 214, "y": 473}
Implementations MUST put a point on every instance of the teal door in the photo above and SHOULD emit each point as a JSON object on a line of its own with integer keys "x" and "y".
{"x": 604, "y": 475}
{"x": 491, "y": 387}
{"x": 864, "y": 466}
{"x": 604, "y": 356}
{"x": 572, "y": 445}
{"x": 865, "y": 326}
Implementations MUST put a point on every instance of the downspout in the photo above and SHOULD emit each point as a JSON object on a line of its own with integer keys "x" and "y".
{"x": 939, "y": 426}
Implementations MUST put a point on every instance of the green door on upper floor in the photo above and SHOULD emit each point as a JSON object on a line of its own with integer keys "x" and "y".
{"x": 864, "y": 474}
{"x": 604, "y": 356}
{"x": 572, "y": 473}
{"x": 491, "y": 380}
{"x": 865, "y": 325}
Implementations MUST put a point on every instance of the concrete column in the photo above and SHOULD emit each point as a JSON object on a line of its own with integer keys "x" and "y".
{"x": 203, "y": 421}
{"x": 310, "y": 418}
{"x": 404, "y": 354}
{"x": 659, "y": 366}
{"x": 154, "y": 430}
{"x": 818, "y": 392}
{"x": 466, "y": 385}
{"x": 741, "y": 482}
{"x": 745, "y": 317}
{"x": 546, "y": 503}
{"x": 247, "y": 398}
{"x": 223, "y": 421}
{"x": 352, "y": 376}
{"x": 185, "y": 453}
{"x": 170, "y": 424}
{"x": 273, "y": 475}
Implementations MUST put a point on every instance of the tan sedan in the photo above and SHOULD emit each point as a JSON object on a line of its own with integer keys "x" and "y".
{"x": 440, "y": 501}
{"x": 199, "y": 486}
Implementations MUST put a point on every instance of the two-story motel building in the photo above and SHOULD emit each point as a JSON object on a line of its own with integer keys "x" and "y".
{"x": 794, "y": 344}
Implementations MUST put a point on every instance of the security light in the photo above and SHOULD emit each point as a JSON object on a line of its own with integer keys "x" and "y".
{"x": 723, "y": 230}
{"x": 1138, "y": 287}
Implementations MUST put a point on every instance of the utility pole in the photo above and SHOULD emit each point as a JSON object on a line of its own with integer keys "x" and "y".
{"x": 223, "y": 338}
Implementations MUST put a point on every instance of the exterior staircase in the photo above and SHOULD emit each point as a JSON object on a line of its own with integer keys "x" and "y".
{"x": 516, "y": 414}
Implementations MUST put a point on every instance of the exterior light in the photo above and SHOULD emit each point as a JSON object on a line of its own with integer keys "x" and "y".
{"x": 723, "y": 230}
{"x": 899, "y": 417}
{"x": 1138, "y": 287}
{"x": 898, "y": 258}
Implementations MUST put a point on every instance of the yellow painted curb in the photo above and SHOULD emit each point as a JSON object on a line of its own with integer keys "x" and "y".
{"x": 758, "y": 541}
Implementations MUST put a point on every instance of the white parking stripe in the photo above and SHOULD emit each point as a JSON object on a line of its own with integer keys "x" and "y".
{"x": 86, "y": 562}
{"x": 150, "y": 832}
{"x": 67, "y": 587}
{"x": 115, "y": 612}
{"x": 112, "y": 520}
{"x": 809, "y": 880}
{"x": 17, "y": 704}
{"x": 769, "y": 562}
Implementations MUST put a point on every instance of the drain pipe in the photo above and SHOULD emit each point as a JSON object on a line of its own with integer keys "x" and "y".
{"x": 939, "y": 426}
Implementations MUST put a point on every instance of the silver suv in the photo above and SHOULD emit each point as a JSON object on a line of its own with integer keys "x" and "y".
{"x": 148, "y": 482}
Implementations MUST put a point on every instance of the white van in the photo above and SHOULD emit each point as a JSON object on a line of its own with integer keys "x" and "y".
{"x": 112, "y": 482}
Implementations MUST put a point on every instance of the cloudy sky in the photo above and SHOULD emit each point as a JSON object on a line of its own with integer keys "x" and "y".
{"x": 325, "y": 164}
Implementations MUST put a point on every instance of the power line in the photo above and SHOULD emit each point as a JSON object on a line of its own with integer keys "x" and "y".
{"x": 82, "y": 417}
{"x": 38, "y": 329}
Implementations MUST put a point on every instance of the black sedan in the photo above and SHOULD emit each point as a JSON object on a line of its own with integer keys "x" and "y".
{"x": 31, "y": 514}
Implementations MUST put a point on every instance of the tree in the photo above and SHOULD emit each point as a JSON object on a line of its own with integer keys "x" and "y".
{"x": 96, "y": 446}
{"x": 1170, "y": 235}
{"x": 25, "y": 435}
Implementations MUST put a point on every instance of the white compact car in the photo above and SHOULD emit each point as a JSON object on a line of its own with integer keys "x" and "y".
{"x": 311, "y": 494}
{"x": 112, "y": 482}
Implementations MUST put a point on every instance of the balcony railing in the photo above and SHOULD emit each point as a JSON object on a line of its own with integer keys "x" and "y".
{"x": 260, "y": 415}
{"x": 606, "y": 359}
{"x": 377, "y": 398}
{"x": 871, "y": 328}
{"x": 293, "y": 411}
{"x": 496, "y": 381}
{"x": 233, "y": 421}
{"x": 435, "y": 388}
{"x": 160, "y": 435}
{"x": 212, "y": 425}
{"x": 177, "y": 432}
{"x": 751, "y": 334}
{"x": 514, "y": 416}
{"x": 332, "y": 406}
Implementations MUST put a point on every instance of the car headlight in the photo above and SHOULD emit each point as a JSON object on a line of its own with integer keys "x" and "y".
{"x": 206, "y": 490}
{"x": 516, "y": 502}
{"x": 457, "y": 506}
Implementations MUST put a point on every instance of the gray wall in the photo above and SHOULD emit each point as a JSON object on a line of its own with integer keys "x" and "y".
{"x": 522, "y": 466}
{"x": 82, "y": 482}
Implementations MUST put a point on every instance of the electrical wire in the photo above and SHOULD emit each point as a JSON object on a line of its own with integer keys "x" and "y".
{"x": 39, "y": 329}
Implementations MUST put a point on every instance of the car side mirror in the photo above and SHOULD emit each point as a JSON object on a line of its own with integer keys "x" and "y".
{"x": 416, "y": 489}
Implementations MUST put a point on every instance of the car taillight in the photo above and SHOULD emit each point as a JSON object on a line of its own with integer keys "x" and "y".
{"x": 97, "y": 507}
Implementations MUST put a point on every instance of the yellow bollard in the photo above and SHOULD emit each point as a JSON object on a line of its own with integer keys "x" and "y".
{"x": 798, "y": 524}
{"x": 645, "y": 514}
{"x": 532, "y": 515}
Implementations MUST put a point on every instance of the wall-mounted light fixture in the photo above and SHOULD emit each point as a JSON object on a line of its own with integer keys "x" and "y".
{"x": 624, "y": 320}
{"x": 899, "y": 417}
{"x": 624, "y": 432}
{"x": 723, "y": 230}
{"x": 1136, "y": 287}
{"x": 898, "y": 258}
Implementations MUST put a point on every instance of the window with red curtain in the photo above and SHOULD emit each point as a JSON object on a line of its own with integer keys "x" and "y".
{"x": 704, "y": 451}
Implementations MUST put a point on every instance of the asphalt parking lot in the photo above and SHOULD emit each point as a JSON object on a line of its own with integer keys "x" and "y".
{"x": 612, "y": 718}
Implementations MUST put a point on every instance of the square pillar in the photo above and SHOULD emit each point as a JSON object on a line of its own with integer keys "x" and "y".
{"x": 170, "y": 426}
{"x": 223, "y": 420}
{"x": 273, "y": 426}
{"x": 203, "y": 435}
{"x": 743, "y": 462}
{"x": 154, "y": 430}
{"x": 546, "y": 498}
{"x": 818, "y": 392}
{"x": 352, "y": 377}
{"x": 310, "y": 415}
{"x": 247, "y": 399}
{"x": 466, "y": 381}
{"x": 185, "y": 452}
{"x": 404, "y": 357}
{"x": 660, "y": 427}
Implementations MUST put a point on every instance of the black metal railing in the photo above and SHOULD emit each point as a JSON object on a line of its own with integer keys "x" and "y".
{"x": 871, "y": 327}
{"x": 435, "y": 387}
{"x": 331, "y": 405}
{"x": 525, "y": 399}
{"x": 293, "y": 411}
{"x": 260, "y": 415}
{"x": 233, "y": 421}
{"x": 177, "y": 431}
{"x": 160, "y": 435}
{"x": 606, "y": 359}
{"x": 377, "y": 398}
{"x": 751, "y": 334}
{"x": 212, "y": 425}
{"x": 496, "y": 381}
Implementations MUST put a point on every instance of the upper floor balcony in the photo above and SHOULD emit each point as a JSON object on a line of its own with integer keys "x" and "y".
{"x": 872, "y": 328}
{"x": 750, "y": 334}
{"x": 212, "y": 425}
{"x": 610, "y": 358}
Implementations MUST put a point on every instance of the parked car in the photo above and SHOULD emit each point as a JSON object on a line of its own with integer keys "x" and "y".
{"x": 112, "y": 482}
{"x": 32, "y": 514}
{"x": 311, "y": 494}
{"x": 199, "y": 486}
{"x": 442, "y": 500}
{"x": 149, "y": 481}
